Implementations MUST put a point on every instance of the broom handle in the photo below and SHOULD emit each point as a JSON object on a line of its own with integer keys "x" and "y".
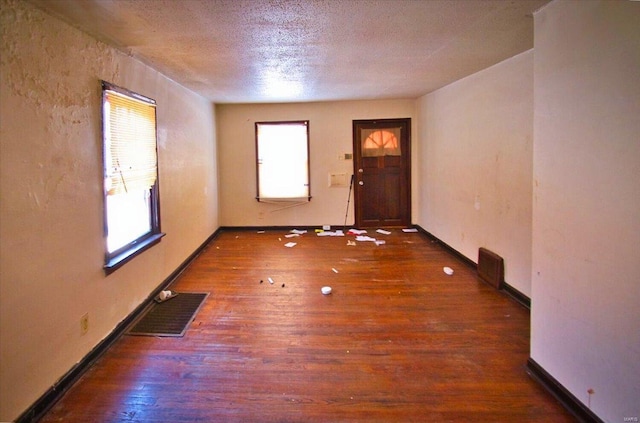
{"x": 348, "y": 201}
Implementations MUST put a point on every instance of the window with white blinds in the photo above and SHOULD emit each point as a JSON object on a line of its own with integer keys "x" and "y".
{"x": 130, "y": 129}
{"x": 132, "y": 219}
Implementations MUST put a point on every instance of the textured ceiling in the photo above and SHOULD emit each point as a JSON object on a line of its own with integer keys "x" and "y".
{"x": 235, "y": 51}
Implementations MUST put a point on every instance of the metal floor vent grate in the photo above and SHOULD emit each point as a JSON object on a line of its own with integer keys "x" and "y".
{"x": 171, "y": 317}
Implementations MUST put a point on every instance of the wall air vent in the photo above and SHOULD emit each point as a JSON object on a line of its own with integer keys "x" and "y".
{"x": 490, "y": 268}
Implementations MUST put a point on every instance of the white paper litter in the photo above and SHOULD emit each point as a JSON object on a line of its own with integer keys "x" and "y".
{"x": 357, "y": 231}
{"x": 409, "y": 230}
{"x": 384, "y": 232}
{"x": 298, "y": 231}
{"x": 270, "y": 280}
{"x": 290, "y": 244}
{"x": 291, "y": 235}
{"x": 334, "y": 270}
{"x": 365, "y": 238}
{"x": 448, "y": 270}
{"x": 329, "y": 233}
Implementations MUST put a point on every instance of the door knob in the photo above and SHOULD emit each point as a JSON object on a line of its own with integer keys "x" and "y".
{"x": 360, "y": 170}
{"x": 360, "y": 183}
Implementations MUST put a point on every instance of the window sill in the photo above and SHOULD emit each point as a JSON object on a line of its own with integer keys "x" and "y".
{"x": 116, "y": 262}
{"x": 283, "y": 199}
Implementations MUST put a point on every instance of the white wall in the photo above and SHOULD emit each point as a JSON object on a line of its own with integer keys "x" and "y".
{"x": 51, "y": 236}
{"x": 330, "y": 127}
{"x": 585, "y": 323}
{"x": 476, "y": 165}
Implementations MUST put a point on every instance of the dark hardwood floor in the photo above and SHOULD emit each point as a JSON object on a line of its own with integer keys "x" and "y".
{"x": 397, "y": 341}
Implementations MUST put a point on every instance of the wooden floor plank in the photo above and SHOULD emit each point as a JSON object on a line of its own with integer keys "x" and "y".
{"x": 396, "y": 341}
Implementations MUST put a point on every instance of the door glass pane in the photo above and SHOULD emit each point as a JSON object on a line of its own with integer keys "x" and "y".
{"x": 380, "y": 142}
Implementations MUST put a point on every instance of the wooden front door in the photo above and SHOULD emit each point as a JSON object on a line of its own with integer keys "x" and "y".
{"x": 382, "y": 168}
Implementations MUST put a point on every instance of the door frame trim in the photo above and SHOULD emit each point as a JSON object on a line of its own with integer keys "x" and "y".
{"x": 357, "y": 216}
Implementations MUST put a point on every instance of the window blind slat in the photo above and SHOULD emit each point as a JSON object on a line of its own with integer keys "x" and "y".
{"x": 132, "y": 162}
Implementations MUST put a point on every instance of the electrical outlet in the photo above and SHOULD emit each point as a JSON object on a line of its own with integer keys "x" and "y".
{"x": 84, "y": 324}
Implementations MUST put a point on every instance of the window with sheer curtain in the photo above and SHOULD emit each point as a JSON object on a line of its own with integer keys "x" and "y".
{"x": 131, "y": 200}
{"x": 282, "y": 150}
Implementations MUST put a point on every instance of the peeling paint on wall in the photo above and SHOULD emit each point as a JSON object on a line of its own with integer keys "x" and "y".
{"x": 51, "y": 196}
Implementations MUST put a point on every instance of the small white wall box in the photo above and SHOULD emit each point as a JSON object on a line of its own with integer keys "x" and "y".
{"x": 337, "y": 179}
